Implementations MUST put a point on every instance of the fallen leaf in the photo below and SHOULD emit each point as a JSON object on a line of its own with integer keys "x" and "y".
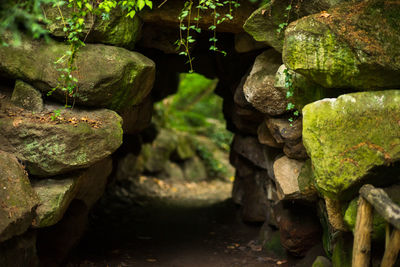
{"x": 324, "y": 14}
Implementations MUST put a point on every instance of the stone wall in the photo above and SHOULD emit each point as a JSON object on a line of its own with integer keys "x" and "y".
{"x": 297, "y": 173}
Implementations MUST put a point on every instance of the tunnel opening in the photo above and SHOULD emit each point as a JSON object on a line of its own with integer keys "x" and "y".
{"x": 218, "y": 218}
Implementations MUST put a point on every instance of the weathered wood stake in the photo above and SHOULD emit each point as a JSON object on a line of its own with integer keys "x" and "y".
{"x": 378, "y": 198}
{"x": 392, "y": 250}
{"x": 362, "y": 235}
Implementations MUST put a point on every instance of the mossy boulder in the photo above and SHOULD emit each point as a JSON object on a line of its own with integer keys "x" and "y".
{"x": 55, "y": 197}
{"x": 118, "y": 29}
{"x": 76, "y": 139}
{"x": 305, "y": 91}
{"x": 156, "y": 155}
{"x": 17, "y": 198}
{"x": 57, "y": 193}
{"x": 117, "y": 79}
{"x": 352, "y": 140}
{"x": 352, "y": 45}
{"x": 27, "y": 97}
{"x": 264, "y": 23}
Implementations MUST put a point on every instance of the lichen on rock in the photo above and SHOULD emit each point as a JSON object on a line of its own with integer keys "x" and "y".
{"x": 352, "y": 139}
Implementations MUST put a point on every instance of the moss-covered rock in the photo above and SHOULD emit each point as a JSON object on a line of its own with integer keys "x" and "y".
{"x": 353, "y": 139}
{"x": 350, "y": 46}
{"x": 77, "y": 139}
{"x": 379, "y": 223}
{"x": 117, "y": 79}
{"x": 118, "y": 30}
{"x": 27, "y": 97}
{"x": 305, "y": 91}
{"x": 156, "y": 155}
{"x": 17, "y": 198}
{"x": 264, "y": 23}
{"x": 55, "y": 197}
{"x": 57, "y": 193}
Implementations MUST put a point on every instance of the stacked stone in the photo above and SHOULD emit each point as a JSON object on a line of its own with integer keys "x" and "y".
{"x": 345, "y": 73}
{"x": 53, "y": 170}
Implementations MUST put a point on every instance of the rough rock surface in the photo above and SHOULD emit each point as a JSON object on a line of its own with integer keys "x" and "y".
{"x": 17, "y": 198}
{"x": 27, "y": 97}
{"x": 342, "y": 48}
{"x": 118, "y": 79}
{"x": 299, "y": 228}
{"x": 305, "y": 91}
{"x": 265, "y": 137}
{"x": 57, "y": 194}
{"x": 118, "y": 30}
{"x": 259, "y": 87}
{"x": 283, "y": 130}
{"x": 263, "y": 24}
{"x": 55, "y": 197}
{"x": 260, "y": 155}
{"x": 77, "y": 139}
{"x": 137, "y": 118}
{"x": 352, "y": 138}
{"x": 286, "y": 173}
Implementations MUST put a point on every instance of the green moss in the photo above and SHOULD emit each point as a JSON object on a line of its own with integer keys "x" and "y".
{"x": 348, "y": 137}
{"x": 379, "y": 223}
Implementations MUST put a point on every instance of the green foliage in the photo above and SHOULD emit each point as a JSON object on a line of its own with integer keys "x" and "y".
{"x": 289, "y": 94}
{"x": 196, "y": 110}
{"x": 214, "y": 167}
{"x": 27, "y": 16}
{"x": 282, "y": 26}
{"x": 74, "y": 27}
{"x": 189, "y": 24}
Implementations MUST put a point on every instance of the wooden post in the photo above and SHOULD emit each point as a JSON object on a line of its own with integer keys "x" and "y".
{"x": 392, "y": 250}
{"x": 382, "y": 203}
{"x": 362, "y": 235}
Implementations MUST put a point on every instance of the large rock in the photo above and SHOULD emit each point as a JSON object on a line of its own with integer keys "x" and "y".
{"x": 55, "y": 197}
{"x": 17, "y": 198}
{"x": 137, "y": 118}
{"x": 299, "y": 228}
{"x": 27, "y": 97}
{"x": 353, "y": 45}
{"x": 260, "y": 155}
{"x": 264, "y": 23}
{"x": 155, "y": 155}
{"x": 57, "y": 194}
{"x": 305, "y": 91}
{"x": 259, "y": 87}
{"x": 117, "y": 79}
{"x": 76, "y": 139}
{"x": 351, "y": 139}
{"x": 265, "y": 137}
{"x": 286, "y": 173}
{"x": 118, "y": 29}
{"x": 283, "y": 130}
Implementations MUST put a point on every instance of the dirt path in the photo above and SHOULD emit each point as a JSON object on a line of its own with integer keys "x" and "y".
{"x": 183, "y": 228}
